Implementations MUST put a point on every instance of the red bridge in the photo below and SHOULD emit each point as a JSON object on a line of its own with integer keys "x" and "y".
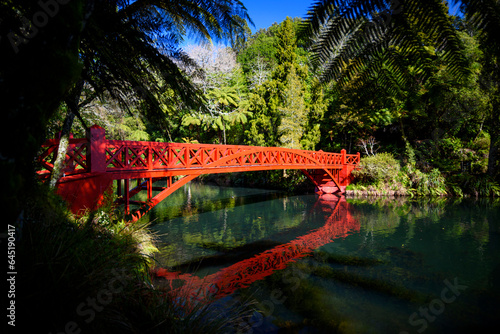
{"x": 93, "y": 163}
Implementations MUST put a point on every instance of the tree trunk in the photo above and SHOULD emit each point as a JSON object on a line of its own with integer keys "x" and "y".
{"x": 494, "y": 147}
{"x": 73, "y": 109}
{"x": 403, "y": 135}
{"x": 61, "y": 151}
{"x": 73, "y": 106}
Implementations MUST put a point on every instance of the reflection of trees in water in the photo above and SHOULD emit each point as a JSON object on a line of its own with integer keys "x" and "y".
{"x": 395, "y": 264}
{"x": 227, "y": 220}
{"x": 195, "y": 198}
{"x": 344, "y": 282}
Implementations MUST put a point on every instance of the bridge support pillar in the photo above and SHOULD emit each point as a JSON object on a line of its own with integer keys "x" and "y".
{"x": 329, "y": 188}
{"x": 90, "y": 191}
{"x": 322, "y": 179}
{"x": 345, "y": 175}
{"x": 85, "y": 194}
{"x": 331, "y": 181}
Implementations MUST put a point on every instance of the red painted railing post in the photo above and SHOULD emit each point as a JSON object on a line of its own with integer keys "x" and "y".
{"x": 96, "y": 154}
{"x": 88, "y": 192}
{"x": 149, "y": 153}
{"x": 186, "y": 157}
{"x": 343, "y": 158}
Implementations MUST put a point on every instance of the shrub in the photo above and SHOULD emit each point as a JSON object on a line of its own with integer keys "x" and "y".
{"x": 425, "y": 184}
{"x": 377, "y": 169}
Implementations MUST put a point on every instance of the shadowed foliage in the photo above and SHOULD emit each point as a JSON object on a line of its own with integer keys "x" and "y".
{"x": 389, "y": 46}
{"x": 75, "y": 51}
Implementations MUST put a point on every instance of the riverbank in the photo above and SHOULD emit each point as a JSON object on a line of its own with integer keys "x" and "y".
{"x": 380, "y": 175}
{"x": 384, "y": 175}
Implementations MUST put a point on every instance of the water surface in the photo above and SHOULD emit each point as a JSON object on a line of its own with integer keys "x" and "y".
{"x": 325, "y": 264}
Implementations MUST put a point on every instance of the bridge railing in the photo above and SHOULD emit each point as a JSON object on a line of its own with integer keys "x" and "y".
{"x": 97, "y": 154}
{"x": 130, "y": 155}
{"x": 75, "y": 161}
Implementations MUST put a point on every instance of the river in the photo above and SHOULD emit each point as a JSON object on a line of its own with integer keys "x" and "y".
{"x": 313, "y": 264}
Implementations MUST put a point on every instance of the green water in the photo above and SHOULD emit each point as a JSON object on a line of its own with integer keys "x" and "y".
{"x": 402, "y": 266}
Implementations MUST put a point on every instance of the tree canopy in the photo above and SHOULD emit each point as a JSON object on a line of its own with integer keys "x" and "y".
{"x": 72, "y": 52}
{"x": 352, "y": 74}
{"x": 398, "y": 47}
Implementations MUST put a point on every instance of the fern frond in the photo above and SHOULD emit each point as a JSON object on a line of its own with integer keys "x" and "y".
{"x": 350, "y": 39}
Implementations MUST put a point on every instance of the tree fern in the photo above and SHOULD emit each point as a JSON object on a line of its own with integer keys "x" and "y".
{"x": 390, "y": 46}
{"x": 354, "y": 39}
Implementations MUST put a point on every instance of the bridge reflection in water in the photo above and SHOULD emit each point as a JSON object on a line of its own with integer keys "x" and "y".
{"x": 338, "y": 224}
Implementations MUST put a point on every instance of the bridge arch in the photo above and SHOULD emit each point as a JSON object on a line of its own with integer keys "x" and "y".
{"x": 289, "y": 161}
{"x": 242, "y": 161}
{"x": 94, "y": 163}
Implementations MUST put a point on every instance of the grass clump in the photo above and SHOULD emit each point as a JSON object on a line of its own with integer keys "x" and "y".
{"x": 92, "y": 275}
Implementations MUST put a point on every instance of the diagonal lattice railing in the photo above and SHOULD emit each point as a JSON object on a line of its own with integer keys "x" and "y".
{"x": 137, "y": 156}
{"x": 75, "y": 161}
{"x": 93, "y": 163}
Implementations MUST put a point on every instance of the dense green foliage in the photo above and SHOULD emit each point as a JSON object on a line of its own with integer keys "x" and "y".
{"x": 418, "y": 94}
{"x": 381, "y": 169}
{"x": 265, "y": 93}
{"x": 382, "y": 175}
{"x": 412, "y": 71}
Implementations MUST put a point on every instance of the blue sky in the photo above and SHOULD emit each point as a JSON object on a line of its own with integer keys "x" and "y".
{"x": 265, "y": 12}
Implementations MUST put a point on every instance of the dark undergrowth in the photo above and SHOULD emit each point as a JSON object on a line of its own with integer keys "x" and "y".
{"x": 92, "y": 275}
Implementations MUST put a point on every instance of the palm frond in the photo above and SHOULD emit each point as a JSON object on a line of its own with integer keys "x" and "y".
{"x": 484, "y": 15}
